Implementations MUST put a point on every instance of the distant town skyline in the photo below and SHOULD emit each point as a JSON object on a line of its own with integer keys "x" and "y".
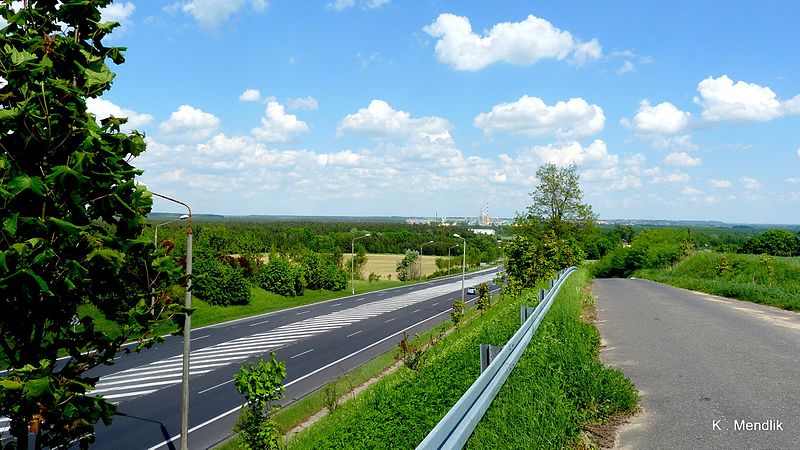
{"x": 673, "y": 110}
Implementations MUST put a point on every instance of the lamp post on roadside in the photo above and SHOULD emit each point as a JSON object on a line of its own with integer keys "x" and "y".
{"x": 420, "y": 257}
{"x": 155, "y": 243}
{"x": 155, "y": 238}
{"x": 448, "y": 258}
{"x": 353, "y": 262}
{"x": 187, "y": 327}
{"x": 463, "y": 264}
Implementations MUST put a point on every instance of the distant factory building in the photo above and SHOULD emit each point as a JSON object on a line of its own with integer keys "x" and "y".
{"x": 486, "y": 231}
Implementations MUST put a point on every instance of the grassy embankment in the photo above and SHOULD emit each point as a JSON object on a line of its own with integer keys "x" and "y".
{"x": 561, "y": 385}
{"x": 773, "y": 281}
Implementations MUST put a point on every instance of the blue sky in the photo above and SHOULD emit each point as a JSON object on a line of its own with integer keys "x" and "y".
{"x": 673, "y": 110}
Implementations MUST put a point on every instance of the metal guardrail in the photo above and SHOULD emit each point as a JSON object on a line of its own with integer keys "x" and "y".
{"x": 457, "y": 425}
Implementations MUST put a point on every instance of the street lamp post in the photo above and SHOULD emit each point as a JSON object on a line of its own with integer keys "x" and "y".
{"x": 155, "y": 238}
{"x": 155, "y": 243}
{"x": 448, "y": 258}
{"x": 353, "y": 262}
{"x": 187, "y": 327}
{"x": 463, "y": 264}
{"x": 420, "y": 257}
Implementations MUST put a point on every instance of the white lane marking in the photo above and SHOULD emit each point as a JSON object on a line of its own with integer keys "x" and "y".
{"x": 134, "y": 380}
{"x": 198, "y": 338}
{"x": 216, "y": 386}
{"x": 239, "y": 349}
{"x": 416, "y": 310}
{"x": 129, "y": 394}
{"x": 301, "y": 354}
{"x": 353, "y": 334}
{"x": 434, "y": 304}
{"x": 258, "y": 323}
{"x": 231, "y": 411}
{"x": 387, "y": 321}
{"x": 336, "y": 304}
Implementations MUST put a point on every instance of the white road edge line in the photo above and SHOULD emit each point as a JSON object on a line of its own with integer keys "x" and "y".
{"x": 227, "y": 413}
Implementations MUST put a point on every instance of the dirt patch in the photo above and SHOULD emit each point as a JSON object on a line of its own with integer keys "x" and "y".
{"x": 602, "y": 435}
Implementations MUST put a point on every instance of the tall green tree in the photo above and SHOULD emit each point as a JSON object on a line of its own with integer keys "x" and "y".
{"x": 72, "y": 221}
{"x": 558, "y": 201}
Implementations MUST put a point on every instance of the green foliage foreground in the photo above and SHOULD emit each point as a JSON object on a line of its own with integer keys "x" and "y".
{"x": 760, "y": 279}
{"x": 564, "y": 385}
{"x": 72, "y": 219}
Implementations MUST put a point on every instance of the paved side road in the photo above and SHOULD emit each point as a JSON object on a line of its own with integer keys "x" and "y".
{"x": 713, "y": 373}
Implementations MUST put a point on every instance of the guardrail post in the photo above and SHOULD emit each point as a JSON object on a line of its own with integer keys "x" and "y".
{"x": 524, "y": 313}
{"x": 488, "y": 352}
{"x": 542, "y": 294}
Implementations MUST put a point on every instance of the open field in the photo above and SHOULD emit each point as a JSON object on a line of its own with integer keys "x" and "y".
{"x": 384, "y": 265}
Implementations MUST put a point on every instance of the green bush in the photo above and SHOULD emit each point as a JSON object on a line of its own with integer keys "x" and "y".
{"x": 650, "y": 249}
{"x": 262, "y": 386}
{"x": 218, "y": 283}
{"x": 283, "y": 278}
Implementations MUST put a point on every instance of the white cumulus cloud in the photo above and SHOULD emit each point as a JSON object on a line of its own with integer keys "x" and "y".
{"x": 519, "y": 43}
{"x": 565, "y": 153}
{"x": 663, "y": 118}
{"x": 793, "y": 180}
{"x": 250, "y": 95}
{"x": 307, "y": 103}
{"x": 278, "y": 126}
{"x": 189, "y": 124}
{"x": 719, "y": 184}
{"x": 103, "y": 109}
{"x": 722, "y": 99}
{"x": 380, "y": 120}
{"x": 211, "y": 13}
{"x": 574, "y": 118}
{"x": 682, "y": 159}
{"x": 750, "y": 183}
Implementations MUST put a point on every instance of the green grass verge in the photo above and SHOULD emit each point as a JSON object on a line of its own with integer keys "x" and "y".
{"x": 770, "y": 281}
{"x": 558, "y": 384}
{"x": 399, "y": 410}
{"x": 300, "y": 411}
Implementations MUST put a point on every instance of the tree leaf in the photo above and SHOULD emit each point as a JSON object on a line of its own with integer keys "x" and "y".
{"x": 67, "y": 227}
{"x": 37, "y": 388}
{"x": 18, "y": 58}
{"x": 10, "y": 225}
{"x": 10, "y": 384}
{"x": 106, "y": 254}
{"x": 23, "y": 182}
{"x": 93, "y": 78}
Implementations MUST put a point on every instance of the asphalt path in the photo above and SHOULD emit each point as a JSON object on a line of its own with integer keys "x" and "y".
{"x": 713, "y": 373}
{"x": 319, "y": 342}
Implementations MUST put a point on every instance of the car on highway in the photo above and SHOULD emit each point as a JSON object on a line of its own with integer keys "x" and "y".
{"x": 471, "y": 290}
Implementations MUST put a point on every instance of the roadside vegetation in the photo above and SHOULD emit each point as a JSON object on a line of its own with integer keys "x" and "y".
{"x": 765, "y": 279}
{"x": 559, "y": 385}
{"x": 680, "y": 258}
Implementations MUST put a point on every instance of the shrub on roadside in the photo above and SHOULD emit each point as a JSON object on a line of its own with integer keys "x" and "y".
{"x": 282, "y": 277}
{"x": 218, "y": 283}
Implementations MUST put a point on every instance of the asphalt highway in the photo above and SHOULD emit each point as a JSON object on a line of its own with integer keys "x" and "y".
{"x": 319, "y": 342}
{"x": 713, "y": 373}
